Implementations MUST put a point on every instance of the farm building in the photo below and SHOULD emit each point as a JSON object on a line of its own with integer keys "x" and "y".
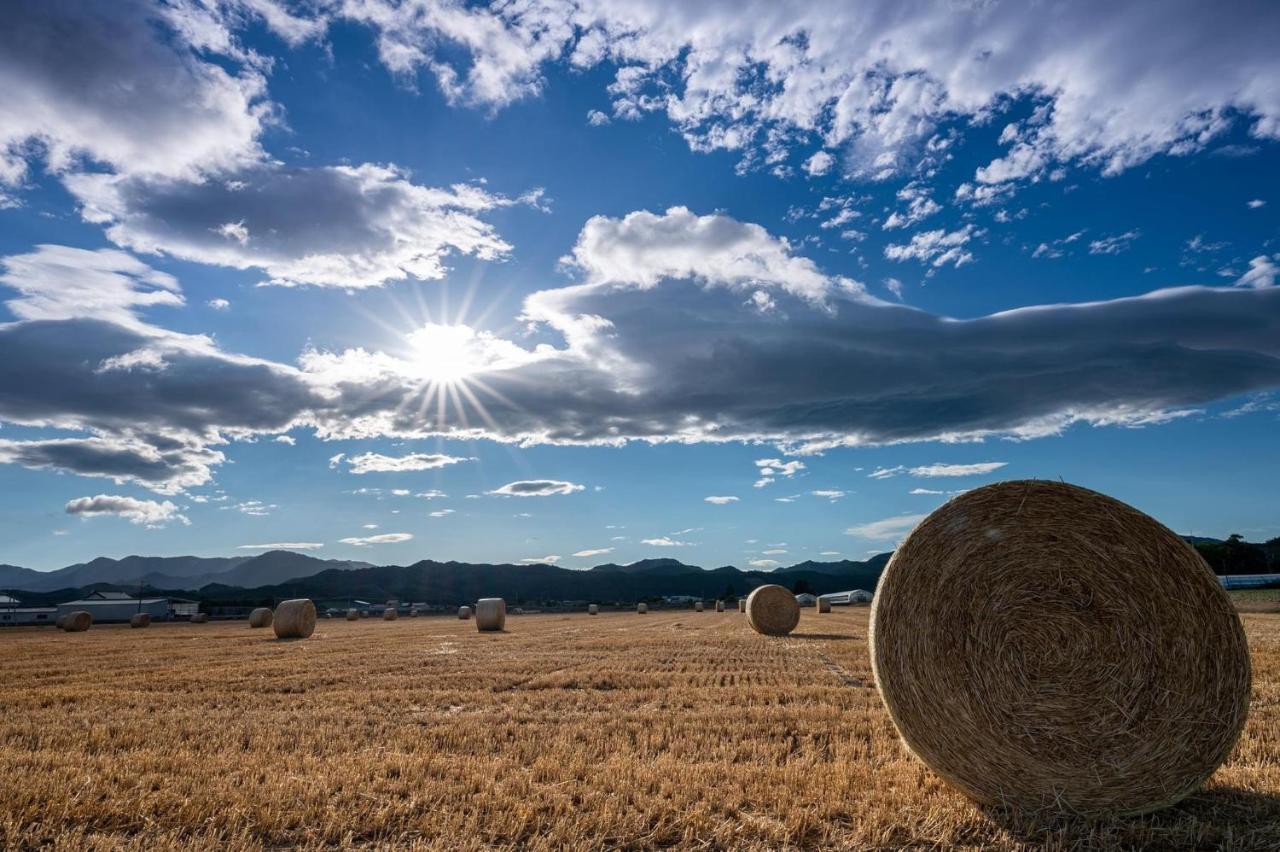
{"x": 107, "y": 607}
{"x": 806, "y": 599}
{"x": 856, "y": 596}
{"x": 13, "y": 615}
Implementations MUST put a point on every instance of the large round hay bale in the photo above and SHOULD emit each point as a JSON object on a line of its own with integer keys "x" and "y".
{"x": 772, "y": 610}
{"x": 1047, "y": 647}
{"x": 200, "y": 618}
{"x": 742, "y": 604}
{"x": 642, "y": 608}
{"x": 697, "y": 606}
{"x": 140, "y": 620}
{"x": 77, "y": 622}
{"x": 593, "y": 609}
{"x": 353, "y": 615}
{"x": 491, "y": 614}
{"x": 824, "y": 605}
{"x": 260, "y": 617}
{"x": 295, "y": 619}
{"x": 719, "y": 606}
{"x": 390, "y": 614}
{"x": 464, "y": 612}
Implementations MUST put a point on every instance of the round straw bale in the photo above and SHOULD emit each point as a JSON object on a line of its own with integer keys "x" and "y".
{"x": 140, "y": 619}
{"x": 364, "y": 613}
{"x": 260, "y": 617}
{"x": 742, "y": 604}
{"x": 824, "y": 605}
{"x": 1044, "y": 646}
{"x": 353, "y": 614}
{"x": 295, "y": 619}
{"x": 413, "y": 613}
{"x": 772, "y": 610}
{"x": 719, "y": 606}
{"x": 642, "y": 608}
{"x": 697, "y": 606}
{"x": 78, "y": 621}
{"x": 61, "y": 622}
{"x": 390, "y": 614}
{"x": 491, "y": 614}
{"x": 464, "y": 612}
{"x": 593, "y": 609}
{"x": 200, "y": 618}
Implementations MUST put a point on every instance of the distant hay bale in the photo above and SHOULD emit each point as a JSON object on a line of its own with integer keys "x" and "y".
{"x": 742, "y": 604}
{"x": 353, "y": 615}
{"x": 200, "y": 618}
{"x": 77, "y": 622}
{"x": 593, "y": 609}
{"x": 697, "y": 606}
{"x": 1044, "y": 646}
{"x": 390, "y": 614}
{"x": 824, "y": 605}
{"x": 260, "y": 617}
{"x": 642, "y": 608}
{"x": 719, "y": 606}
{"x": 491, "y": 614}
{"x": 140, "y": 619}
{"x": 464, "y": 612}
{"x": 772, "y": 610}
{"x": 413, "y": 613}
{"x": 364, "y": 613}
{"x": 295, "y": 619}
{"x": 61, "y": 622}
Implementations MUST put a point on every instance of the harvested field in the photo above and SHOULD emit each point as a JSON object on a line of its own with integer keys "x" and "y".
{"x": 563, "y": 731}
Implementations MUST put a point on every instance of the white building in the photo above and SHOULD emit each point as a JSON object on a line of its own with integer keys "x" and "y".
{"x": 115, "y": 606}
{"x": 806, "y": 599}
{"x": 14, "y": 615}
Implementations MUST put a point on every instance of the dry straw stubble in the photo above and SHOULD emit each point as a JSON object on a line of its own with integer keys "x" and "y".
{"x": 295, "y": 619}
{"x": 772, "y": 610}
{"x": 1048, "y": 647}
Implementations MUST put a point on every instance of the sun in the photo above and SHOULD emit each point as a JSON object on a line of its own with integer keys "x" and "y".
{"x": 445, "y": 354}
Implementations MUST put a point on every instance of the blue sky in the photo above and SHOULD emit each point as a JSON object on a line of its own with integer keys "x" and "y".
{"x": 395, "y": 281}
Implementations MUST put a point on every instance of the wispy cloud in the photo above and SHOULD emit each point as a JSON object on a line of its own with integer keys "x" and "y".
{"x": 887, "y": 528}
{"x": 384, "y": 538}
{"x": 536, "y": 488}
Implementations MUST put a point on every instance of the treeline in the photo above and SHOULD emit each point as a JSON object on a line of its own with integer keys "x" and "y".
{"x": 1237, "y": 556}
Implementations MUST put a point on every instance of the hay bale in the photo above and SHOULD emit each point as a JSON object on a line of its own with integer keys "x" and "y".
{"x": 140, "y": 619}
{"x": 77, "y": 622}
{"x": 295, "y": 619}
{"x": 390, "y": 614}
{"x": 719, "y": 606}
{"x": 697, "y": 607}
{"x": 260, "y": 617}
{"x": 824, "y": 605}
{"x": 200, "y": 618}
{"x": 1048, "y": 647}
{"x": 413, "y": 613}
{"x": 772, "y": 610}
{"x": 364, "y": 613}
{"x": 642, "y": 608}
{"x": 464, "y": 612}
{"x": 353, "y": 615}
{"x": 60, "y": 622}
{"x": 491, "y": 614}
{"x": 593, "y": 609}
{"x": 742, "y": 604}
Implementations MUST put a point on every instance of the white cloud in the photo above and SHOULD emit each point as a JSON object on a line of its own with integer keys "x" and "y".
{"x": 285, "y": 439}
{"x": 378, "y": 463}
{"x": 829, "y": 493}
{"x": 431, "y": 494}
{"x": 440, "y": 513}
{"x": 770, "y": 470}
{"x": 597, "y": 551}
{"x": 536, "y": 488}
{"x": 1114, "y": 244}
{"x": 341, "y": 226}
{"x": 819, "y": 164}
{"x": 887, "y": 472}
{"x": 936, "y": 248}
{"x": 888, "y": 528}
{"x": 976, "y": 469}
{"x": 540, "y": 560}
{"x": 596, "y": 118}
{"x": 283, "y": 545}
{"x": 829, "y": 553}
{"x": 384, "y": 538}
{"x": 219, "y": 304}
{"x": 150, "y": 513}
{"x": 256, "y": 508}
{"x": 1262, "y": 272}
{"x": 719, "y": 500}
{"x": 777, "y": 551}
{"x": 764, "y": 564}
{"x": 663, "y": 541}
{"x": 1255, "y": 203}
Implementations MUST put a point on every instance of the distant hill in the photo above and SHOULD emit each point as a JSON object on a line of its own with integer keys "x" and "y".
{"x": 174, "y": 572}
{"x": 1233, "y": 555}
{"x": 457, "y": 582}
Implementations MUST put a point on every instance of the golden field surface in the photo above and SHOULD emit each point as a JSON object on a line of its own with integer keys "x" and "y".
{"x": 567, "y": 731}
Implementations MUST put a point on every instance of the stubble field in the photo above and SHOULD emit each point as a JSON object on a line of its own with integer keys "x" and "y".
{"x": 670, "y": 729}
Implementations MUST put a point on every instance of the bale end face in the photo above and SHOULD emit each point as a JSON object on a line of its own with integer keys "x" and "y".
{"x": 491, "y": 614}
{"x": 390, "y": 615}
{"x": 295, "y": 619}
{"x": 1047, "y": 647}
{"x": 353, "y": 615}
{"x": 464, "y": 612}
{"x": 593, "y": 609}
{"x": 719, "y": 606}
{"x": 139, "y": 620}
{"x": 824, "y": 605}
{"x": 642, "y": 608}
{"x": 260, "y": 617}
{"x": 773, "y": 611}
{"x": 697, "y": 607}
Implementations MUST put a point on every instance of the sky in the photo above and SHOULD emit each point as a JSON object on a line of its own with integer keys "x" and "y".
{"x": 576, "y": 281}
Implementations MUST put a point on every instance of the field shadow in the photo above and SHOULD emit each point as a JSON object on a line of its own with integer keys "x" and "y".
{"x": 826, "y": 637}
{"x": 1217, "y": 818}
